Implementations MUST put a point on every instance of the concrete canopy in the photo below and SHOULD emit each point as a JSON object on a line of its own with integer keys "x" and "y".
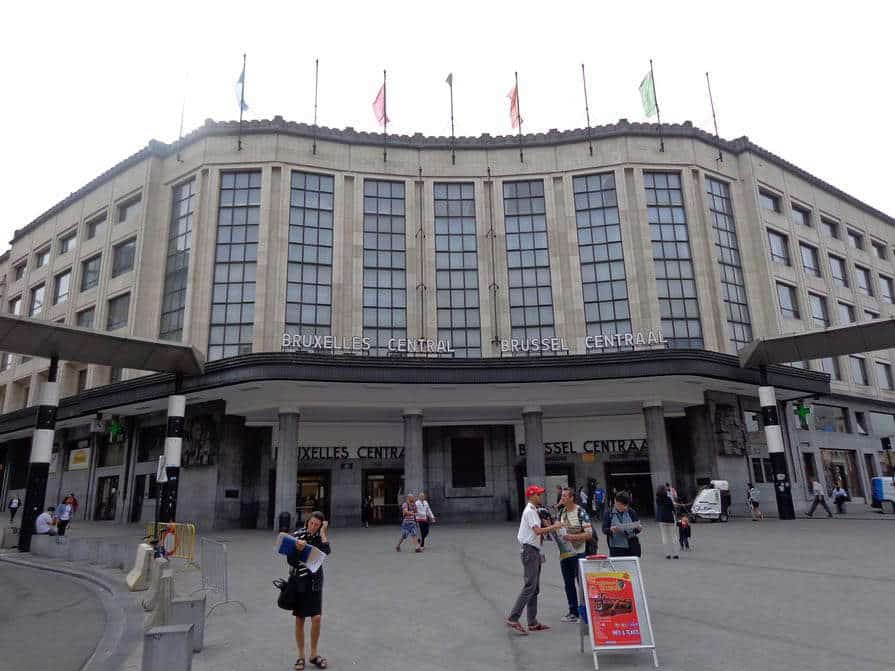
{"x": 867, "y": 337}
{"x": 32, "y": 337}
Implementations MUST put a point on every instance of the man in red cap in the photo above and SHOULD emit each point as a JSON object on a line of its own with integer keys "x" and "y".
{"x": 530, "y": 537}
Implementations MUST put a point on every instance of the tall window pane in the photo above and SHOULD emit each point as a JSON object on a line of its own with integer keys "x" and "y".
{"x": 675, "y": 279}
{"x": 310, "y": 255}
{"x": 178, "y": 262}
{"x": 528, "y": 260}
{"x": 733, "y": 283}
{"x": 385, "y": 264}
{"x": 456, "y": 268}
{"x": 603, "y": 280}
{"x": 236, "y": 254}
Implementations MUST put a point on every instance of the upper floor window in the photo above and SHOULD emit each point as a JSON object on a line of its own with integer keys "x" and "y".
{"x": 884, "y": 376}
{"x": 779, "y": 247}
{"x": 829, "y": 227}
{"x": 129, "y": 211}
{"x": 42, "y": 257}
{"x": 38, "y": 294}
{"x": 123, "y": 257}
{"x": 865, "y": 285}
{"x": 95, "y": 226}
{"x": 819, "y": 312}
{"x": 67, "y": 242}
{"x": 801, "y": 216}
{"x": 15, "y": 306}
{"x": 855, "y": 239}
{"x": 789, "y": 303}
{"x": 846, "y": 313}
{"x": 810, "y": 260}
{"x": 118, "y": 311}
{"x": 829, "y": 418}
{"x": 886, "y": 289}
{"x": 62, "y": 287}
{"x": 85, "y": 318}
{"x": 859, "y": 370}
{"x": 90, "y": 272}
{"x": 19, "y": 271}
{"x": 838, "y": 271}
{"x": 879, "y": 249}
{"x": 769, "y": 201}
{"x": 183, "y": 202}
{"x": 830, "y": 366}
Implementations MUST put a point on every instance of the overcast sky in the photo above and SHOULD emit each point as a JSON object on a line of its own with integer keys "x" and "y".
{"x": 86, "y": 84}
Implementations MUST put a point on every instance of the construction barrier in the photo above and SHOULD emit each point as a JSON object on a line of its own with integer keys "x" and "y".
{"x": 178, "y": 540}
{"x": 216, "y": 572}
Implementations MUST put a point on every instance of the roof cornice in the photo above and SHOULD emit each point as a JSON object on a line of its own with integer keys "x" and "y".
{"x": 348, "y": 135}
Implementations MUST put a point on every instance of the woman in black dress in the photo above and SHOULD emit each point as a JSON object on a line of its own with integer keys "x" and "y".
{"x": 311, "y": 590}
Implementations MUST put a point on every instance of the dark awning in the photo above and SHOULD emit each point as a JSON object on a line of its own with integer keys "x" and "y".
{"x": 32, "y": 337}
{"x": 867, "y": 337}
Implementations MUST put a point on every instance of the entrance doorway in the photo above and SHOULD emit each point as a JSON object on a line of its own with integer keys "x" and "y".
{"x": 313, "y": 494}
{"x": 632, "y": 477}
{"x": 384, "y": 487}
{"x": 106, "y": 498}
{"x": 556, "y": 474}
{"x": 139, "y": 494}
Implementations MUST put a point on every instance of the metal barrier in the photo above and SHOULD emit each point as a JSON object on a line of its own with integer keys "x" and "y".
{"x": 179, "y": 540}
{"x": 216, "y": 571}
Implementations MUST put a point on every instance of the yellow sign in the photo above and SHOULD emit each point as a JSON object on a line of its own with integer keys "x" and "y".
{"x": 79, "y": 460}
{"x": 588, "y": 458}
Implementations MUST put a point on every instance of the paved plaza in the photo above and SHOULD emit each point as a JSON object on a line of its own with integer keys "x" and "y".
{"x": 807, "y": 594}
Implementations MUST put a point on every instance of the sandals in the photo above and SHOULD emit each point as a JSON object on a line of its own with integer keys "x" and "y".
{"x": 538, "y": 627}
{"x": 299, "y": 664}
{"x": 319, "y": 662}
{"x": 518, "y": 628}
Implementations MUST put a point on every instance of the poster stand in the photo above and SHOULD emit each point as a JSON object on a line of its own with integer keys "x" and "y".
{"x": 617, "y": 613}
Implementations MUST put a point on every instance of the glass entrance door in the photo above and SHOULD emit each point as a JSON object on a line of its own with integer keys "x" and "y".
{"x": 106, "y": 498}
{"x": 632, "y": 477}
{"x": 313, "y": 494}
{"x": 384, "y": 488}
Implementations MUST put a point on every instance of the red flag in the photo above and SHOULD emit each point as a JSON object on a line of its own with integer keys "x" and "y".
{"x": 379, "y": 107}
{"x": 513, "y": 95}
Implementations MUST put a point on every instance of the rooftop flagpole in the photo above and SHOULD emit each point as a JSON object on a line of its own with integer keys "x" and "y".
{"x": 182, "y": 109}
{"x": 242, "y": 103}
{"x": 652, "y": 77}
{"x": 519, "y": 118}
{"x": 450, "y": 83}
{"x": 385, "y": 120}
{"x": 316, "y": 75}
{"x": 590, "y": 144}
{"x": 708, "y": 83}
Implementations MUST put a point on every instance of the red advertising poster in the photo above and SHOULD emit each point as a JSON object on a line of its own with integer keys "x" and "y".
{"x": 613, "y": 609}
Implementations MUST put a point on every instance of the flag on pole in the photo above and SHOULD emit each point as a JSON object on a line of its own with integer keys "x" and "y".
{"x": 450, "y": 79}
{"x": 513, "y": 95}
{"x": 379, "y": 107}
{"x": 648, "y": 95}
{"x": 240, "y": 90}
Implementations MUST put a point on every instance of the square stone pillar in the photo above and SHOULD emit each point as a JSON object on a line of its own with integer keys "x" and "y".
{"x": 702, "y": 439}
{"x": 414, "y": 474}
{"x": 287, "y": 467}
{"x": 535, "y": 466}
{"x": 661, "y": 462}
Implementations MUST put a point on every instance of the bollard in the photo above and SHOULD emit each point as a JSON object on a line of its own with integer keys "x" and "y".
{"x": 161, "y": 600}
{"x": 168, "y": 648}
{"x": 40, "y": 545}
{"x": 9, "y": 538}
{"x": 191, "y": 611}
{"x": 138, "y": 577}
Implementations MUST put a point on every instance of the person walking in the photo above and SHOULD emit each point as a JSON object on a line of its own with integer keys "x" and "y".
{"x": 621, "y": 526}
{"x": 424, "y": 516}
{"x": 530, "y": 537}
{"x": 574, "y": 533}
{"x": 64, "y": 512}
{"x": 14, "y": 504}
{"x": 310, "y": 604}
{"x": 840, "y": 497}
{"x": 755, "y": 502}
{"x": 366, "y": 510}
{"x": 665, "y": 518}
{"x": 820, "y": 497}
{"x": 408, "y": 524}
{"x": 599, "y": 500}
{"x": 684, "y": 531}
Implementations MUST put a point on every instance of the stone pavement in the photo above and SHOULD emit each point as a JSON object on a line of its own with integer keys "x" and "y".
{"x": 47, "y": 620}
{"x": 807, "y": 594}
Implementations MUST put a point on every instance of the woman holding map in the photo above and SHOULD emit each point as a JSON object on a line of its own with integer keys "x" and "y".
{"x": 310, "y": 588}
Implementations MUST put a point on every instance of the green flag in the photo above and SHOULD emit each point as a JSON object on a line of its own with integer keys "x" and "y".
{"x": 648, "y": 95}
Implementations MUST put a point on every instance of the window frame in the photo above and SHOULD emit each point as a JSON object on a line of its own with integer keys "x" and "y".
{"x": 57, "y": 297}
{"x": 125, "y": 206}
{"x": 884, "y": 375}
{"x": 66, "y": 242}
{"x": 886, "y": 288}
{"x": 805, "y": 219}
{"x": 783, "y": 256}
{"x": 850, "y": 313}
{"x": 18, "y": 302}
{"x": 831, "y": 227}
{"x": 823, "y": 321}
{"x": 44, "y": 254}
{"x": 117, "y": 248}
{"x": 842, "y": 282}
{"x": 32, "y": 295}
{"x": 79, "y": 316}
{"x": 854, "y": 238}
{"x": 815, "y": 270}
{"x": 96, "y": 225}
{"x": 880, "y": 249}
{"x": 792, "y": 312}
{"x": 865, "y": 273}
{"x": 766, "y": 196}
{"x": 111, "y": 304}
{"x": 83, "y": 284}
{"x": 861, "y": 363}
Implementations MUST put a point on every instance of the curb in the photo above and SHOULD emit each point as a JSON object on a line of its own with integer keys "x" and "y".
{"x": 124, "y": 619}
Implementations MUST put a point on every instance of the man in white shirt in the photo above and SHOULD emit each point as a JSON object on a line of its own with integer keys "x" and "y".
{"x": 530, "y": 538}
{"x": 820, "y": 497}
{"x": 44, "y": 523}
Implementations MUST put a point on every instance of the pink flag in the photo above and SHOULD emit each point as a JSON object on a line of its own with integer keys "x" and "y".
{"x": 379, "y": 107}
{"x": 513, "y": 95}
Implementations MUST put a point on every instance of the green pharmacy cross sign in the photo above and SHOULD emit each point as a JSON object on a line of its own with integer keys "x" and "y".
{"x": 116, "y": 430}
{"x": 802, "y": 411}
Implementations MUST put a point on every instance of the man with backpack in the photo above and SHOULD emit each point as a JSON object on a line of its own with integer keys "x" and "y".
{"x": 573, "y": 537}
